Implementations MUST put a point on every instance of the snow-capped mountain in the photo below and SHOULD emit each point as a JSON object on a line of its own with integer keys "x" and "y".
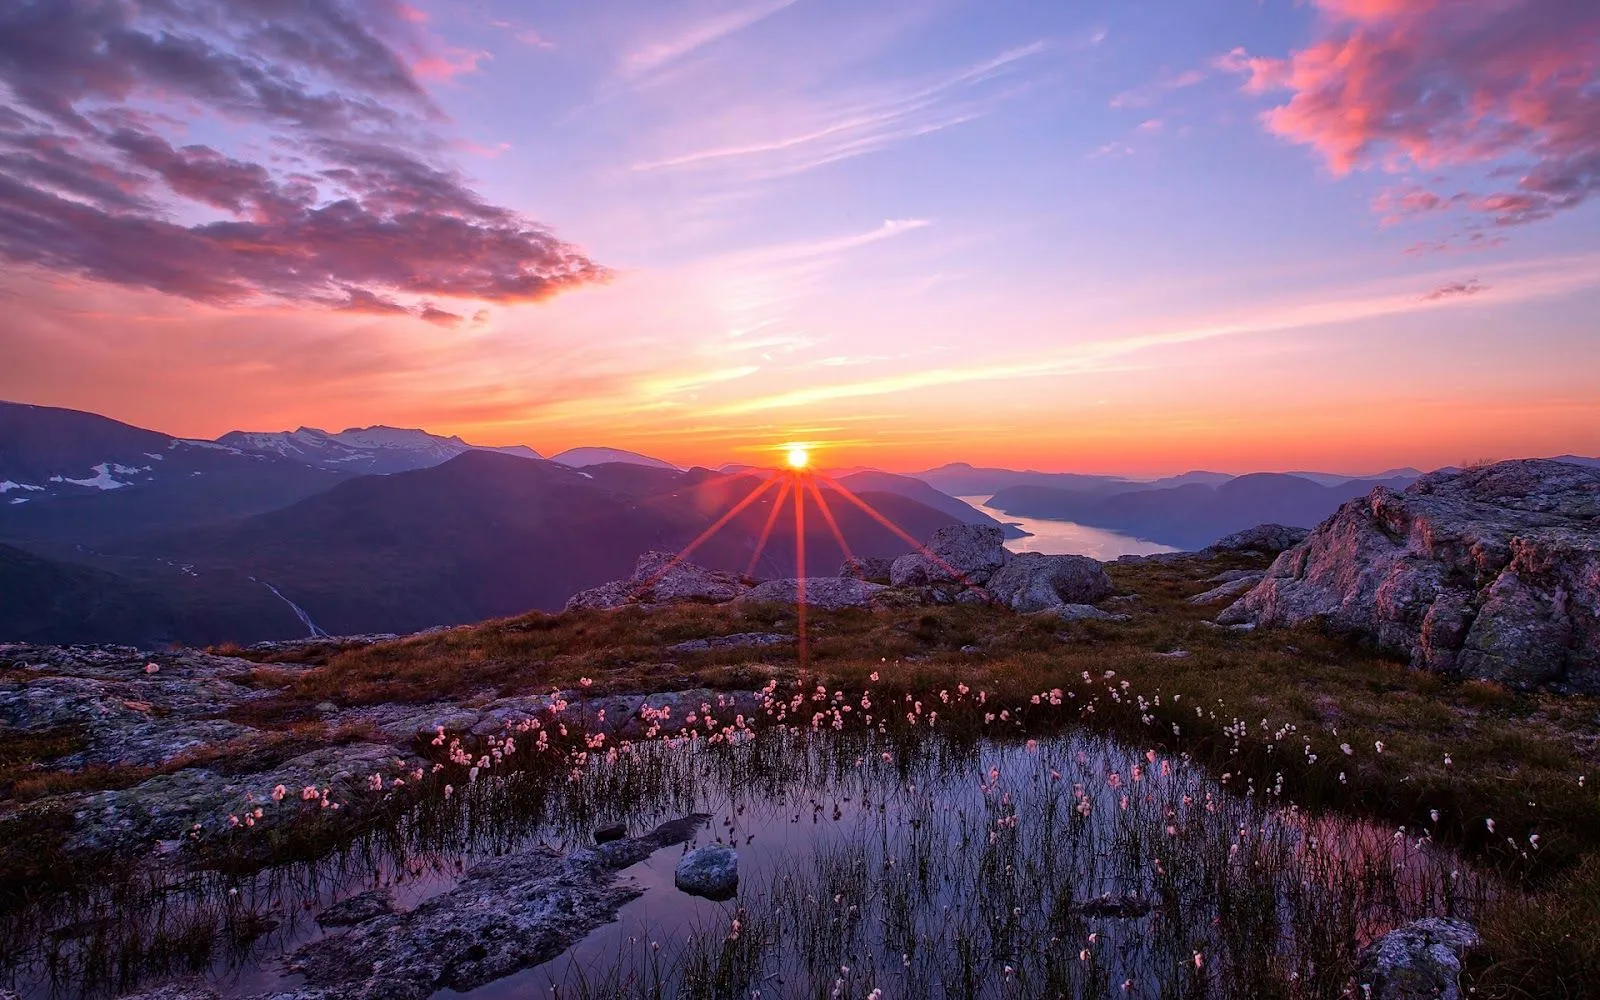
{"x": 376, "y": 450}
{"x": 579, "y": 458}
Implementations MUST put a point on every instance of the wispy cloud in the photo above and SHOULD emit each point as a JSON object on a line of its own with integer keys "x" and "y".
{"x": 656, "y": 54}
{"x": 840, "y": 129}
{"x": 1538, "y": 280}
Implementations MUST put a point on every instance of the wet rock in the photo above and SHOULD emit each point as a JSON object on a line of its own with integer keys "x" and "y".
{"x": 827, "y": 592}
{"x": 506, "y": 914}
{"x": 663, "y": 578}
{"x": 711, "y": 871}
{"x": 1420, "y": 960}
{"x": 614, "y": 831}
{"x": 1491, "y": 573}
{"x": 358, "y": 909}
{"x": 1230, "y": 589}
{"x": 1034, "y": 581}
{"x": 1266, "y": 538}
{"x": 957, "y": 553}
{"x": 873, "y": 568}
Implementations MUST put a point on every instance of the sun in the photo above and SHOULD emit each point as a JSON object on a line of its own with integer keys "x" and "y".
{"x": 798, "y": 457}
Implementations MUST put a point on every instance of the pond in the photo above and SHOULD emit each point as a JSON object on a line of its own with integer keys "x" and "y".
{"x": 1068, "y": 537}
{"x": 922, "y": 847}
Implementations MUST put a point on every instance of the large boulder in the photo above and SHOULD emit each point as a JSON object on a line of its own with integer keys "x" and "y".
{"x": 958, "y": 553}
{"x": 1033, "y": 581}
{"x": 1268, "y": 538}
{"x": 829, "y": 592}
{"x": 1492, "y": 572}
{"x": 711, "y": 871}
{"x": 866, "y": 568}
{"x": 1420, "y": 961}
{"x": 662, "y": 578}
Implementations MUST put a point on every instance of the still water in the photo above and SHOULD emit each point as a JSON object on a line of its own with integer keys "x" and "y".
{"x": 1068, "y": 537}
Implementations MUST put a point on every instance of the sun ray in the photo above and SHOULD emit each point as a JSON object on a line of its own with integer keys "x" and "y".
{"x": 766, "y": 530}
{"x": 700, "y": 539}
{"x": 905, "y": 537}
{"x": 800, "y": 573}
{"x": 833, "y": 525}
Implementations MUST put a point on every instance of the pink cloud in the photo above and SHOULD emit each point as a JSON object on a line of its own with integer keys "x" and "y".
{"x": 1511, "y": 87}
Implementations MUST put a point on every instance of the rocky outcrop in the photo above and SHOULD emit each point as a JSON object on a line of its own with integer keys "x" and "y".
{"x": 866, "y": 568}
{"x": 506, "y": 914}
{"x": 1267, "y": 538}
{"x": 1229, "y": 588}
{"x": 738, "y": 640}
{"x": 967, "y": 554}
{"x": 711, "y": 871}
{"x": 1420, "y": 961}
{"x": 662, "y": 578}
{"x": 827, "y": 592}
{"x": 1033, "y": 581}
{"x": 1492, "y": 573}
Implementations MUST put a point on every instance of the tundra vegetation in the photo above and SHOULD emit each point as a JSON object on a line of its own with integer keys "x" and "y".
{"x": 1154, "y": 807}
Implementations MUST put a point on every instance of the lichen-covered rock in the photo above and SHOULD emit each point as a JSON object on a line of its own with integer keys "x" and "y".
{"x": 506, "y": 914}
{"x": 1083, "y": 613}
{"x": 866, "y": 568}
{"x": 1491, "y": 572}
{"x": 1268, "y": 538}
{"x": 738, "y": 640}
{"x": 358, "y": 909}
{"x": 957, "y": 553}
{"x": 711, "y": 871}
{"x": 662, "y": 578}
{"x": 828, "y": 592}
{"x": 1229, "y": 588}
{"x": 1033, "y": 581}
{"x": 1420, "y": 961}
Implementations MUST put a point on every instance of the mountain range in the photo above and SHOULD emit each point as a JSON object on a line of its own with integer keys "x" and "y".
{"x": 110, "y": 532}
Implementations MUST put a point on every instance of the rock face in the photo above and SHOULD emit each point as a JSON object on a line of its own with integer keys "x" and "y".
{"x": 1420, "y": 961}
{"x": 1229, "y": 588}
{"x": 711, "y": 871}
{"x": 505, "y": 914}
{"x": 1491, "y": 573}
{"x": 963, "y": 553}
{"x": 830, "y": 592}
{"x": 1034, "y": 582}
{"x": 662, "y": 578}
{"x": 1268, "y": 538}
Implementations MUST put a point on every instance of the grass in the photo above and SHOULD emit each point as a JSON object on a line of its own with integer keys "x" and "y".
{"x": 1264, "y": 710}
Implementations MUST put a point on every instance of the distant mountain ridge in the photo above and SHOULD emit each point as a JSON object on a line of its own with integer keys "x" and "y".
{"x": 375, "y": 450}
{"x": 579, "y": 458}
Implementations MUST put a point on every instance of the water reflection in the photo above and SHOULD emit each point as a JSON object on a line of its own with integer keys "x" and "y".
{"x": 1068, "y": 537}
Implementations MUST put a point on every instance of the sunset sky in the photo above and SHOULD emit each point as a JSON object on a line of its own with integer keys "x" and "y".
{"x": 1115, "y": 237}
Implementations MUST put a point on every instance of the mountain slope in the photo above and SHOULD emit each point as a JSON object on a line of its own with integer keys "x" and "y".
{"x": 376, "y": 450}
{"x": 958, "y": 479}
{"x": 921, "y": 492}
{"x": 488, "y": 535}
{"x": 74, "y": 478}
{"x": 579, "y": 458}
{"x": 49, "y": 601}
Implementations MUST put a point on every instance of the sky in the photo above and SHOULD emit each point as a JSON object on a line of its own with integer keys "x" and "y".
{"x": 1094, "y": 236}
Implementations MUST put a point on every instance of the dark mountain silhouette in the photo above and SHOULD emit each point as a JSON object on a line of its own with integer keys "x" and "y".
{"x": 49, "y": 601}
{"x": 480, "y": 536}
{"x": 958, "y": 479}
{"x": 1193, "y": 515}
{"x": 78, "y": 479}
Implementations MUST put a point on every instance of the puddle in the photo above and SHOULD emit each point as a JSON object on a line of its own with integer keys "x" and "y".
{"x": 921, "y": 865}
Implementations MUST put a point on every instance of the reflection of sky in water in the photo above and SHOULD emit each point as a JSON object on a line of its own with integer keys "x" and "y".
{"x": 1067, "y": 537}
{"x": 804, "y": 804}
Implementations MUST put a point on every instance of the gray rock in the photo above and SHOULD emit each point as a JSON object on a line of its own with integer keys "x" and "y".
{"x": 1420, "y": 961}
{"x": 1492, "y": 573}
{"x": 736, "y": 641}
{"x": 358, "y": 909}
{"x": 506, "y": 914}
{"x": 1268, "y": 538}
{"x": 866, "y": 568}
{"x": 711, "y": 871}
{"x": 828, "y": 592}
{"x": 1230, "y": 575}
{"x": 662, "y": 578}
{"x": 957, "y": 553}
{"x": 1033, "y": 581}
{"x": 1230, "y": 589}
{"x": 1175, "y": 654}
{"x": 613, "y": 831}
{"x": 1083, "y": 612}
